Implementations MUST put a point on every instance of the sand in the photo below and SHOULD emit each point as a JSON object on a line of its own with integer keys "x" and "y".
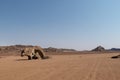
{"x": 61, "y": 67}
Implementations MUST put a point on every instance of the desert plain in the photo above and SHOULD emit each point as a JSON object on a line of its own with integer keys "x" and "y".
{"x": 61, "y": 67}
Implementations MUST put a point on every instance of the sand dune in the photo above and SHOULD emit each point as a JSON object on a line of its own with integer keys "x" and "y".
{"x": 61, "y": 67}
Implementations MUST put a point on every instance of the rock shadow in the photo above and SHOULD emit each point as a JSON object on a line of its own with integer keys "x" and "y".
{"x": 21, "y": 60}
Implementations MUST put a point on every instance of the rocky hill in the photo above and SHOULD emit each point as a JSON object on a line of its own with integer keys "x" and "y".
{"x": 12, "y": 50}
{"x": 99, "y": 48}
{"x": 16, "y": 49}
{"x": 115, "y": 49}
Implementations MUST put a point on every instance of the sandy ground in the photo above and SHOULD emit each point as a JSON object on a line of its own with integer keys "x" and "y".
{"x": 61, "y": 67}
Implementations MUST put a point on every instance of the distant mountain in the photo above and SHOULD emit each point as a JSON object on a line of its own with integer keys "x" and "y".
{"x": 51, "y": 49}
{"x": 13, "y": 49}
{"x": 99, "y": 48}
{"x": 16, "y": 49}
{"x": 115, "y": 49}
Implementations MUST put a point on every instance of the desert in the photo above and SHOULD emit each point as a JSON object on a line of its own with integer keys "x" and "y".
{"x": 61, "y": 67}
{"x": 59, "y": 40}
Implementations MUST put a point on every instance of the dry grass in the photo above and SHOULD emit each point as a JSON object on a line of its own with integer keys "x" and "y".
{"x": 61, "y": 67}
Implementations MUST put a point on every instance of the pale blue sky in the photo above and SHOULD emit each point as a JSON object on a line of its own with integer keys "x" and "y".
{"x": 77, "y": 24}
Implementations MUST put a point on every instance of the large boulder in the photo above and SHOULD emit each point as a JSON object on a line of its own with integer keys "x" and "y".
{"x": 99, "y": 48}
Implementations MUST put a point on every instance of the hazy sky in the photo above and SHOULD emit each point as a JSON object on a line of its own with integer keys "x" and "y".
{"x": 78, "y": 24}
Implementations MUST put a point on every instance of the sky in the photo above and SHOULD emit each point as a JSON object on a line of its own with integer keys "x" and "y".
{"x": 76, "y": 24}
